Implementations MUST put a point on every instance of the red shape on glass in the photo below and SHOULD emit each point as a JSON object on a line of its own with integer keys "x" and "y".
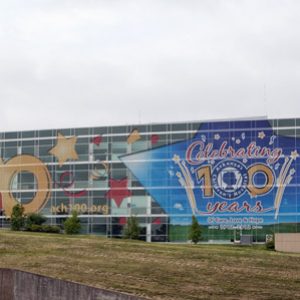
{"x": 154, "y": 139}
{"x": 68, "y": 185}
{"x": 122, "y": 221}
{"x": 118, "y": 190}
{"x": 156, "y": 221}
{"x": 97, "y": 140}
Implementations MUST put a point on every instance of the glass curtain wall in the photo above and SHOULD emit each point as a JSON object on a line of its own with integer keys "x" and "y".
{"x": 229, "y": 174}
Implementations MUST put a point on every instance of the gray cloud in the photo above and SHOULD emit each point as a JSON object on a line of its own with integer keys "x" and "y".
{"x": 93, "y": 63}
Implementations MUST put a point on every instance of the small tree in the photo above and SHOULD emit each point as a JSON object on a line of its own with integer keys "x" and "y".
{"x": 132, "y": 229}
{"x": 195, "y": 231}
{"x": 72, "y": 224}
{"x": 17, "y": 217}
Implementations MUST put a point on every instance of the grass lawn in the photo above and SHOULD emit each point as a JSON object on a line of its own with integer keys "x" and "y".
{"x": 158, "y": 271}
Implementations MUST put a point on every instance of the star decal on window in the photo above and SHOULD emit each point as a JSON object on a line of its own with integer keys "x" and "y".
{"x": 64, "y": 149}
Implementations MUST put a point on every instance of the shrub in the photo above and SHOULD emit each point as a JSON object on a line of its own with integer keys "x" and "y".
{"x": 270, "y": 245}
{"x": 132, "y": 229}
{"x": 44, "y": 228}
{"x": 72, "y": 224}
{"x": 195, "y": 231}
{"x": 35, "y": 228}
{"x": 51, "y": 229}
{"x": 17, "y": 217}
{"x": 35, "y": 219}
{"x": 270, "y": 242}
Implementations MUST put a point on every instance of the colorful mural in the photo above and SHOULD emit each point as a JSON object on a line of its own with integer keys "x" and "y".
{"x": 233, "y": 175}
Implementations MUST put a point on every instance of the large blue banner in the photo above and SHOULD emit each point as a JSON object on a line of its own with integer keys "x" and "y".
{"x": 228, "y": 174}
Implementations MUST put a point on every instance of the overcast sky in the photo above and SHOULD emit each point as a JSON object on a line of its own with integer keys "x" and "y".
{"x": 91, "y": 63}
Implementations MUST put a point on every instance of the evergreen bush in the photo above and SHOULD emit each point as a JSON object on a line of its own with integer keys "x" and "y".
{"x": 195, "y": 231}
{"x": 132, "y": 229}
{"x": 44, "y": 228}
{"x": 35, "y": 219}
{"x": 72, "y": 224}
{"x": 17, "y": 218}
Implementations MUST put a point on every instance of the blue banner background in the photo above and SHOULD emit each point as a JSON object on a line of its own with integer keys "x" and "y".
{"x": 157, "y": 172}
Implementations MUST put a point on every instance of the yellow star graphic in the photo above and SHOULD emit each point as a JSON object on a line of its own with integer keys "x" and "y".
{"x": 64, "y": 149}
{"x": 294, "y": 155}
{"x": 176, "y": 158}
{"x": 261, "y": 135}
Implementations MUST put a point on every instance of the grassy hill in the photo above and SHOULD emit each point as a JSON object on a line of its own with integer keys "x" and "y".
{"x": 158, "y": 271}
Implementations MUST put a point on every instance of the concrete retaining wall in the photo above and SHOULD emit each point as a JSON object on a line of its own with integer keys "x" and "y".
{"x": 287, "y": 242}
{"x": 19, "y": 285}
